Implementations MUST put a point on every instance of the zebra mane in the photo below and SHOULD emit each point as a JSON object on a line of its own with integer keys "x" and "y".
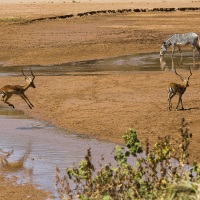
{"x": 167, "y": 42}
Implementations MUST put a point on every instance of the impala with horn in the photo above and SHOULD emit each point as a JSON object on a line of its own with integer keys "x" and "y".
{"x": 8, "y": 90}
{"x": 178, "y": 89}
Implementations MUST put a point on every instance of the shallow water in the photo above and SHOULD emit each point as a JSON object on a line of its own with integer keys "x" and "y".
{"x": 130, "y": 63}
{"x": 47, "y": 147}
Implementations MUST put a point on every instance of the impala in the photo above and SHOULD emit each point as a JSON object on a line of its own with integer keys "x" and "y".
{"x": 8, "y": 90}
{"x": 178, "y": 89}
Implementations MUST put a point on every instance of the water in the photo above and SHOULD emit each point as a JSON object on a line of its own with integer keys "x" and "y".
{"x": 129, "y": 63}
{"x": 47, "y": 148}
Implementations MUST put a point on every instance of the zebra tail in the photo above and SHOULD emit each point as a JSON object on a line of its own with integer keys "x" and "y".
{"x": 198, "y": 41}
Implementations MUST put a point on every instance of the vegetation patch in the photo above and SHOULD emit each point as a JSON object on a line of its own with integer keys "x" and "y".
{"x": 162, "y": 172}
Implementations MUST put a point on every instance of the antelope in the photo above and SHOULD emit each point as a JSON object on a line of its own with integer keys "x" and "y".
{"x": 181, "y": 40}
{"x": 8, "y": 90}
{"x": 178, "y": 89}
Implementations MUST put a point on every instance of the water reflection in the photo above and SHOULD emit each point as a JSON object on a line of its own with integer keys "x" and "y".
{"x": 37, "y": 148}
{"x": 169, "y": 63}
{"x": 136, "y": 62}
{"x": 129, "y": 63}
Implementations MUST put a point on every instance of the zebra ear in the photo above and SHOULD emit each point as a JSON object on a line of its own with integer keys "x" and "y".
{"x": 164, "y": 43}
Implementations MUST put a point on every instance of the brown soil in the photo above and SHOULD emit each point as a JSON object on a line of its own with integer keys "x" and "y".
{"x": 105, "y": 105}
{"x": 9, "y": 190}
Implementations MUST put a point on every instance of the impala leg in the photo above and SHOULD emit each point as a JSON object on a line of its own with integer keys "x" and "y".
{"x": 28, "y": 100}
{"x": 3, "y": 97}
{"x": 181, "y": 104}
{"x": 170, "y": 105}
{"x": 169, "y": 99}
{"x": 6, "y": 100}
{"x": 24, "y": 97}
{"x": 180, "y": 101}
{"x": 170, "y": 96}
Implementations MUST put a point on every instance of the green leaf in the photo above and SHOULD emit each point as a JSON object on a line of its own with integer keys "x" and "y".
{"x": 107, "y": 197}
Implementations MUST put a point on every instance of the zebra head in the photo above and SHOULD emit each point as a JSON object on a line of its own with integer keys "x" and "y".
{"x": 163, "y": 49}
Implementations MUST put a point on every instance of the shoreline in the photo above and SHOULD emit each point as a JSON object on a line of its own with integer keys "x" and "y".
{"x": 103, "y": 107}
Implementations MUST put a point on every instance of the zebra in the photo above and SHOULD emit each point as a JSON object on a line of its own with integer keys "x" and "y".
{"x": 181, "y": 40}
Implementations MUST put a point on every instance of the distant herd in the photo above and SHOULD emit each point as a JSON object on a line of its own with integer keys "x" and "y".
{"x": 116, "y": 11}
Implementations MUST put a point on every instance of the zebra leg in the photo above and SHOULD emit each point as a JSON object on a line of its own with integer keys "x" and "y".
{"x": 179, "y": 48}
{"x": 173, "y": 49}
{"x": 198, "y": 48}
{"x": 194, "y": 51}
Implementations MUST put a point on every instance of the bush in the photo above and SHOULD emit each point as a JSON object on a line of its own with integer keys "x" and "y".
{"x": 161, "y": 173}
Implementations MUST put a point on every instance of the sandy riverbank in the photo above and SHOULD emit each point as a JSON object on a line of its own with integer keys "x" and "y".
{"x": 98, "y": 106}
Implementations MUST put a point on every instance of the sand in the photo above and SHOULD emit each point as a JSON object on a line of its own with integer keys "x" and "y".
{"x": 102, "y": 106}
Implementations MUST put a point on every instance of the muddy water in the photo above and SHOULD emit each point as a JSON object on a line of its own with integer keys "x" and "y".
{"x": 129, "y": 63}
{"x": 47, "y": 148}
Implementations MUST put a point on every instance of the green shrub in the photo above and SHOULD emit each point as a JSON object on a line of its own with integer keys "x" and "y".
{"x": 160, "y": 173}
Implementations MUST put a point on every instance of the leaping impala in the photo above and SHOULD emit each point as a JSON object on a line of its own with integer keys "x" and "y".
{"x": 8, "y": 90}
{"x": 178, "y": 89}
